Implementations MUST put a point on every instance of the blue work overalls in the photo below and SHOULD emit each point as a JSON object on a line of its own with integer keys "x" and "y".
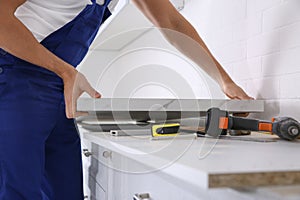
{"x": 40, "y": 153}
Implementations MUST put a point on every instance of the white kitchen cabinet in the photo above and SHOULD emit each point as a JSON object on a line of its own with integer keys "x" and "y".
{"x": 110, "y": 176}
{"x": 118, "y": 169}
{"x": 105, "y": 180}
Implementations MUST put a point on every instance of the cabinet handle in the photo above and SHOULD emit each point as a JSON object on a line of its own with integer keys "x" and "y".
{"x": 107, "y": 154}
{"x": 86, "y": 153}
{"x": 145, "y": 196}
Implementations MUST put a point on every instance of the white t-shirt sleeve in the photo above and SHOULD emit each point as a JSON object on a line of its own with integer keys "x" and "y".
{"x": 42, "y": 17}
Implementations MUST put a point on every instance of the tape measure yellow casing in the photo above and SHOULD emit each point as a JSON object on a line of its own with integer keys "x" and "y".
{"x": 164, "y": 130}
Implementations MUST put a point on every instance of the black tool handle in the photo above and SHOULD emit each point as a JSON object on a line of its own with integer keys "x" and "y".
{"x": 240, "y": 123}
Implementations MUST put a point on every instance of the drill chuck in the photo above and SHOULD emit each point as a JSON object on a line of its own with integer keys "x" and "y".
{"x": 293, "y": 130}
{"x": 286, "y": 128}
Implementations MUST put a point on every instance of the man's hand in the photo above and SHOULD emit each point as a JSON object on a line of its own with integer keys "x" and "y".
{"x": 75, "y": 84}
{"x": 233, "y": 91}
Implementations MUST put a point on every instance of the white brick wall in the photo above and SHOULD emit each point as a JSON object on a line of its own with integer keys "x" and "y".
{"x": 258, "y": 43}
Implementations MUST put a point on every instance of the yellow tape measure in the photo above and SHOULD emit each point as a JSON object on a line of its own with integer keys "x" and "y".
{"x": 165, "y": 130}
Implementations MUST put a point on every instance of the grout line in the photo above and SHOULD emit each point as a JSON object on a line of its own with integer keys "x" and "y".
{"x": 280, "y": 27}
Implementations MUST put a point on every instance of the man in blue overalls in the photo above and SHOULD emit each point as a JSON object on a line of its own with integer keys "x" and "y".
{"x": 41, "y": 43}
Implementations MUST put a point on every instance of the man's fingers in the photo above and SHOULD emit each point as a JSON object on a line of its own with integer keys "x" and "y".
{"x": 240, "y": 114}
{"x": 230, "y": 97}
{"x": 80, "y": 114}
{"x": 92, "y": 92}
{"x": 246, "y": 97}
{"x": 240, "y": 97}
{"x": 71, "y": 106}
{"x": 72, "y": 113}
{"x": 69, "y": 111}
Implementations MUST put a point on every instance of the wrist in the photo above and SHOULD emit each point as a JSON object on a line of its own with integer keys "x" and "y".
{"x": 225, "y": 81}
{"x": 223, "y": 78}
{"x": 61, "y": 68}
{"x": 67, "y": 73}
{"x": 64, "y": 70}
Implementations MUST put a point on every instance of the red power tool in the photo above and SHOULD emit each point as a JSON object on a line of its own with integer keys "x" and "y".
{"x": 219, "y": 121}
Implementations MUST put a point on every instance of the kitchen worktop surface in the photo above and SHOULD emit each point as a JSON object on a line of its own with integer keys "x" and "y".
{"x": 210, "y": 163}
{"x": 142, "y": 109}
{"x": 140, "y": 104}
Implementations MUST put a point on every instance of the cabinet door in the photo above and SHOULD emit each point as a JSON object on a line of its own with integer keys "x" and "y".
{"x": 155, "y": 184}
{"x": 98, "y": 171}
{"x": 97, "y": 192}
{"x": 95, "y": 167}
{"x": 128, "y": 177}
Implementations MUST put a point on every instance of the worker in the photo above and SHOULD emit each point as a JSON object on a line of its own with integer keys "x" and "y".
{"x": 41, "y": 43}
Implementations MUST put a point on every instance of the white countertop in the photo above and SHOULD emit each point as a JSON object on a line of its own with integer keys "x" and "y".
{"x": 206, "y": 162}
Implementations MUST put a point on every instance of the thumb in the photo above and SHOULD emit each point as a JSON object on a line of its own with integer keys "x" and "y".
{"x": 93, "y": 93}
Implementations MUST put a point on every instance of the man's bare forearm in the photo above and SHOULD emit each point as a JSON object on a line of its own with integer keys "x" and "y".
{"x": 185, "y": 38}
{"x": 16, "y": 39}
{"x": 181, "y": 34}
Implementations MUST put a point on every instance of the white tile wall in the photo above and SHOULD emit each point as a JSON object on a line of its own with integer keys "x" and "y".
{"x": 289, "y": 87}
{"x": 284, "y": 13}
{"x": 258, "y": 43}
{"x": 281, "y": 63}
{"x": 254, "y": 6}
{"x": 263, "y": 44}
{"x": 289, "y": 36}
